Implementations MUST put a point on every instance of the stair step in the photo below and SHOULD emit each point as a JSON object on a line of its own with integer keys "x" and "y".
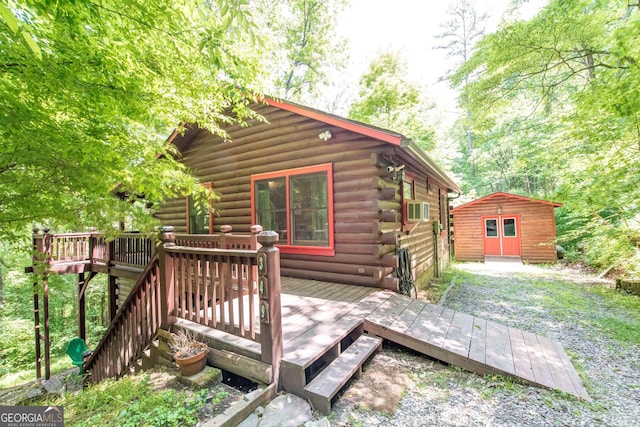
{"x": 326, "y": 385}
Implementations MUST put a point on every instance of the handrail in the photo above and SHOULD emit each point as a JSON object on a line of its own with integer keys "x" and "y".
{"x": 133, "y": 328}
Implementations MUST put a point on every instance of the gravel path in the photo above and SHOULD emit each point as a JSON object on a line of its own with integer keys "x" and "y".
{"x": 551, "y": 301}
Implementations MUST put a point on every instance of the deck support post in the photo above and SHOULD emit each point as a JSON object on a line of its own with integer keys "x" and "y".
{"x": 36, "y": 304}
{"x": 270, "y": 303}
{"x": 47, "y": 240}
{"x": 167, "y": 288}
{"x": 82, "y": 309}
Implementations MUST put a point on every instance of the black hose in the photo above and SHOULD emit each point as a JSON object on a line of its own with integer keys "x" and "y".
{"x": 403, "y": 272}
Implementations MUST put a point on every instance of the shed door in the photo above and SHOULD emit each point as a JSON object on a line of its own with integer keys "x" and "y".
{"x": 510, "y": 236}
{"x": 501, "y": 235}
{"x": 492, "y": 236}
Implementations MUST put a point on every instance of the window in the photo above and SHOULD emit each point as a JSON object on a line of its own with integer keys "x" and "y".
{"x": 298, "y": 205}
{"x": 509, "y": 227}
{"x": 407, "y": 190}
{"x": 444, "y": 212}
{"x": 199, "y": 219}
{"x": 491, "y": 227}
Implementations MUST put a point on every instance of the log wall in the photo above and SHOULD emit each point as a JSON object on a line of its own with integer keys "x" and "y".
{"x": 429, "y": 248}
{"x": 537, "y": 229}
{"x": 367, "y": 203}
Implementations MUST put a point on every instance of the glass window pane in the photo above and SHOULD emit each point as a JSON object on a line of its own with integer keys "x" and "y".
{"x": 309, "y": 210}
{"x": 407, "y": 190}
{"x": 509, "y": 227}
{"x": 271, "y": 206}
{"x": 198, "y": 218}
{"x": 491, "y": 227}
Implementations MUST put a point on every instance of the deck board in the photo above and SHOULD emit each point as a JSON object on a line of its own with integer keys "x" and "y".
{"x": 478, "y": 345}
{"x": 521, "y": 360}
{"x": 425, "y": 322}
{"x": 498, "y": 348}
{"x": 404, "y": 321}
{"x": 388, "y": 311}
{"x": 439, "y": 332}
{"x": 458, "y": 339}
{"x": 539, "y": 365}
{"x": 556, "y": 367}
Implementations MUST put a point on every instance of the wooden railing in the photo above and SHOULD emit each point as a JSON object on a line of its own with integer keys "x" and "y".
{"x": 227, "y": 282}
{"x": 217, "y": 288}
{"x": 226, "y": 289}
{"x": 132, "y": 330}
{"x": 129, "y": 249}
{"x": 132, "y": 249}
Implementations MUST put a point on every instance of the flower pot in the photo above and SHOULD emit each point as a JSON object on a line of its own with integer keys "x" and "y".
{"x": 192, "y": 365}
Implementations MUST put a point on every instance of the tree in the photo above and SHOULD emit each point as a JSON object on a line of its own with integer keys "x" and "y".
{"x": 90, "y": 94}
{"x": 573, "y": 67}
{"x": 388, "y": 100}
{"x": 303, "y": 46}
{"x": 460, "y": 35}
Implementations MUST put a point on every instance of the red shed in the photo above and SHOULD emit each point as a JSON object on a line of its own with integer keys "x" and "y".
{"x": 503, "y": 224}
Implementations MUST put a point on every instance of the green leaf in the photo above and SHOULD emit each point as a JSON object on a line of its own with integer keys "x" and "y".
{"x": 9, "y": 18}
{"x": 32, "y": 44}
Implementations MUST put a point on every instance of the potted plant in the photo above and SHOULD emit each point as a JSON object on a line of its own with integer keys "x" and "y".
{"x": 189, "y": 353}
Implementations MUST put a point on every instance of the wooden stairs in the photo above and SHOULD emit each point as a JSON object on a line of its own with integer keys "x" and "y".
{"x": 348, "y": 364}
{"x": 325, "y": 359}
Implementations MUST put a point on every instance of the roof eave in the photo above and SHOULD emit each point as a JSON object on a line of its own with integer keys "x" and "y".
{"x": 435, "y": 169}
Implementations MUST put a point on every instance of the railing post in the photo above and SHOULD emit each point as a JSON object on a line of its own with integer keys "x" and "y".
{"x": 167, "y": 288}
{"x": 226, "y": 231}
{"x": 270, "y": 309}
{"x": 255, "y": 230}
{"x": 92, "y": 245}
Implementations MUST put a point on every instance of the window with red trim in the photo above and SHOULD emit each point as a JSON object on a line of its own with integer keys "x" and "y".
{"x": 199, "y": 218}
{"x": 298, "y": 205}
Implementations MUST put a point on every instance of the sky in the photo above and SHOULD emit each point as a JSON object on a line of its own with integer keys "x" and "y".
{"x": 373, "y": 26}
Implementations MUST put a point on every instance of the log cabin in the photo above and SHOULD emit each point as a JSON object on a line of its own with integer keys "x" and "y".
{"x": 346, "y": 198}
{"x": 507, "y": 225}
{"x": 340, "y": 201}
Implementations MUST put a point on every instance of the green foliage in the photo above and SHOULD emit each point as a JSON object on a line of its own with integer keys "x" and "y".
{"x": 388, "y": 100}
{"x": 304, "y": 46}
{"x": 552, "y": 116}
{"x": 131, "y": 401}
{"x": 91, "y": 112}
{"x": 17, "y": 348}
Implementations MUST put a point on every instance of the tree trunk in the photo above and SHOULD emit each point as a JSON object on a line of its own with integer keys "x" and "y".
{"x": 1, "y": 290}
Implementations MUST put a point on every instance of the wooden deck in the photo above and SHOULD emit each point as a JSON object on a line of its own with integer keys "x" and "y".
{"x": 319, "y": 318}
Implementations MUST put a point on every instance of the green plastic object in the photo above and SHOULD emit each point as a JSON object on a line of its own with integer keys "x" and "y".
{"x": 76, "y": 349}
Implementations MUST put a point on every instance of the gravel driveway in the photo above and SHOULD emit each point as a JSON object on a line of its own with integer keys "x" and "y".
{"x": 552, "y": 301}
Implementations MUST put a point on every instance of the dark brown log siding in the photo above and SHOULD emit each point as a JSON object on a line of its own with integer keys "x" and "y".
{"x": 537, "y": 229}
{"x": 420, "y": 239}
{"x": 366, "y": 199}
